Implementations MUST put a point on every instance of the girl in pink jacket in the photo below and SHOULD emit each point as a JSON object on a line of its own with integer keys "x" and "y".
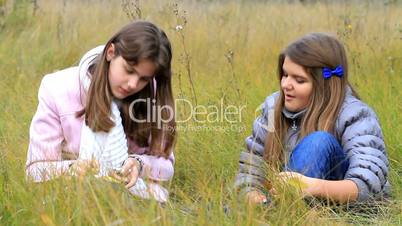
{"x": 107, "y": 105}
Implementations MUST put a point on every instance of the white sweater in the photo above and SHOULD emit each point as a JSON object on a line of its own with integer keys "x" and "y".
{"x": 110, "y": 148}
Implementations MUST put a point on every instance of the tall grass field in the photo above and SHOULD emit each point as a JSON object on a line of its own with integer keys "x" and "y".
{"x": 224, "y": 54}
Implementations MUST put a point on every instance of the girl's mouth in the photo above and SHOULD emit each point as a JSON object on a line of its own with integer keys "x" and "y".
{"x": 123, "y": 91}
{"x": 289, "y": 97}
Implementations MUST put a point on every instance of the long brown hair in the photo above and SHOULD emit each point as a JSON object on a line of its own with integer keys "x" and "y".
{"x": 135, "y": 41}
{"x": 313, "y": 52}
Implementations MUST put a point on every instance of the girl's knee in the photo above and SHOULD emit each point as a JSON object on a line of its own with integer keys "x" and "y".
{"x": 321, "y": 138}
{"x": 318, "y": 143}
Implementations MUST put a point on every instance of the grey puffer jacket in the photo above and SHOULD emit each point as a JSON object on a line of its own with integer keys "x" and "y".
{"x": 358, "y": 131}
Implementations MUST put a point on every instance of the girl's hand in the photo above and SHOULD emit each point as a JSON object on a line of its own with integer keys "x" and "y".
{"x": 82, "y": 166}
{"x": 255, "y": 197}
{"x": 129, "y": 172}
{"x": 306, "y": 184}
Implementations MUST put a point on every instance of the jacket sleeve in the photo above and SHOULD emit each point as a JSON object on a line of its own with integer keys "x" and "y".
{"x": 45, "y": 139}
{"x": 157, "y": 168}
{"x": 251, "y": 175}
{"x": 363, "y": 143}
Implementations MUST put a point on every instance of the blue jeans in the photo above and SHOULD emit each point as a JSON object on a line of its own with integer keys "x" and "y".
{"x": 319, "y": 155}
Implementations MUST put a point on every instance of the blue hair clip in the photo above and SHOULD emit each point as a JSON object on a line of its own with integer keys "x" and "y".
{"x": 327, "y": 72}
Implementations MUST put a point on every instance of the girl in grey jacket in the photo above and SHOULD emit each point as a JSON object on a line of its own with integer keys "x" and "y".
{"x": 316, "y": 129}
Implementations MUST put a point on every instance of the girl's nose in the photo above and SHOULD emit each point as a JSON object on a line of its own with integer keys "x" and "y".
{"x": 132, "y": 82}
{"x": 286, "y": 83}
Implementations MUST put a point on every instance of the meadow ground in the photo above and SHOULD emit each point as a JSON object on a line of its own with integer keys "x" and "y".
{"x": 229, "y": 50}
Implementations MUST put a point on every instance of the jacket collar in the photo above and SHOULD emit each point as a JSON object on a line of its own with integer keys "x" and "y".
{"x": 86, "y": 61}
{"x": 348, "y": 91}
{"x": 293, "y": 115}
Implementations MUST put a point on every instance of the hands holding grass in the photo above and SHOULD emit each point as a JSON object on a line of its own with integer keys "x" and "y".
{"x": 128, "y": 174}
{"x": 306, "y": 185}
{"x": 255, "y": 197}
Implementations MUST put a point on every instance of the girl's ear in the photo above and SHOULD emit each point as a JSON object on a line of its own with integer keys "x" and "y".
{"x": 110, "y": 53}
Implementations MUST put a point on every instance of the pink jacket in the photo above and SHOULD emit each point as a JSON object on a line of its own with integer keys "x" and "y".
{"x": 55, "y": 131}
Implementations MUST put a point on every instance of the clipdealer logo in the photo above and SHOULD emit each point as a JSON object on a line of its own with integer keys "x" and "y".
{"x": 212, "y": 115}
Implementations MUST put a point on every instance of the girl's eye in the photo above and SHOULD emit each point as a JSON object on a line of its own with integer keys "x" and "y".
{"x": 299, "y": 81}
{"x": 145, "y": 79}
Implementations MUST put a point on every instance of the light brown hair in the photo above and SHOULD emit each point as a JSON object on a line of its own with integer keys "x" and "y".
{"x": 313, "y": 52}
{"x": 135, "y": 41}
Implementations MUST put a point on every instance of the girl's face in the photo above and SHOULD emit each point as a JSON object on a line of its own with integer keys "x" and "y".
{"x": 126, "y": 80}
{"x": 296, "y": 85}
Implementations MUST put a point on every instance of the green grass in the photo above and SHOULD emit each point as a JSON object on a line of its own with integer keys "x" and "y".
{"x": 33, "y": 43}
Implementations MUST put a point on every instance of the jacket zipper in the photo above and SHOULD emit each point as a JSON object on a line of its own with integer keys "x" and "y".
{"x": 294, "y": 126}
